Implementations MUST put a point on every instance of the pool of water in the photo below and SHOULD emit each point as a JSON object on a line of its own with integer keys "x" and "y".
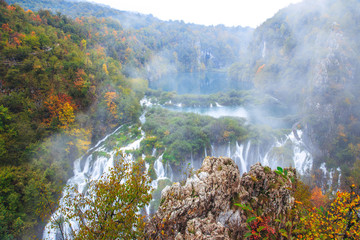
{"x": 206, "y": 82}
{"x": 216, "y": 112}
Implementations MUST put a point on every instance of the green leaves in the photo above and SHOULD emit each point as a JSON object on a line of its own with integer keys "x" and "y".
{"x": 111, "y": 207}
{"x": 250, "y": 219}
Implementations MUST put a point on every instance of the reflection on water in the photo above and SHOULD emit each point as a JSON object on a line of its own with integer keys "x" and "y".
{"x": 270, "y": 115}
{"x": 216, "y": 112}
{"x": 194, "y": 82}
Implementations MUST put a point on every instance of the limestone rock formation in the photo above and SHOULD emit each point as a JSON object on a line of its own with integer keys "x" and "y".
{"x": 204, "y": 207}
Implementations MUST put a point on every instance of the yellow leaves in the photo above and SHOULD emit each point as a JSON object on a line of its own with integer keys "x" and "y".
{"x": 110, "y": 98}
{"x": 104, "y": 68}
{"x": 341, "y": 131}
{"x": 66, "y": 116}
{"x": 80, "y": 82}
{"x": 61, "y": 111}
{"x": 80, "y": 138}
{"x": 83, "y": 44}
{"x": 226, "y": 134}
{"x": 338, "y": 220}
{"x": 347, "y": 100}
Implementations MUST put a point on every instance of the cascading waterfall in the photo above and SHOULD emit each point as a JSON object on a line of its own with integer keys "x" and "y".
{"x": 94, "y": 168}
{"x": 328, "y": 176}
{"x": 247, "y": 154}
{"x": 244, "y": 154}
{"x": 228, "y": 152}
{"x": 192, "y": 160}
{"x": 159, "y": 167}
{"x": 169, "y": 172}
{"x": 212, "y": 150}
{"x": 263, "y": 54}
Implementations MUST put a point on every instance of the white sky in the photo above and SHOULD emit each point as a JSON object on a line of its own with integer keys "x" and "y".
{"x": 207, "y": 12}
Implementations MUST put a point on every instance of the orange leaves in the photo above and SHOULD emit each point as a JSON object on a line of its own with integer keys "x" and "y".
{"x": 11, "y": 8}
{"x": 5, "y": 27}
{"x": 260, "y": 68}
{"x": 79, "y": 21}
{"x": 340, "y": 220}
{"x": 341, "y": 131}
{"x": 317, "y": 198}
{"x": 67, "y": 37}
{"x": 110, "y": 98}
{"x": 80, "y": 82}
{"x": 61, "y": 111}
{"x": 37, "y": 18}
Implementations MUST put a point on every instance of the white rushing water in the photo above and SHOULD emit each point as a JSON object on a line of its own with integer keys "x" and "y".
{"x": 247, "y": 154}
{"x": 94, "y": 168}
{"x": 93, "y": 165}
{"x": 216, "y": 112}
{"x": 263, "y": 53}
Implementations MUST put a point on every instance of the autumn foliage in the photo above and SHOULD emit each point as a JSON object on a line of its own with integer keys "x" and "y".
{"x": 61, "y": 111}
{"x": 340, "y": 220}
{"x": 111, "y": 207}
{"x": 317, "y": 197}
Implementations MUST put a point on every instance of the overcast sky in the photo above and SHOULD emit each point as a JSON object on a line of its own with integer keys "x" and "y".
{"x": 208, "y": 12}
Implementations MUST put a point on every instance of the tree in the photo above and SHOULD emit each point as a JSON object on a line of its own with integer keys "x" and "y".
{"x": 317, "y": 198}
{"x": 110, "y": 209}
{"x": 340, "y": 220}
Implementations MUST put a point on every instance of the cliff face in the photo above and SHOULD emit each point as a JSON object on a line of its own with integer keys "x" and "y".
{"x": 204, "y": 207}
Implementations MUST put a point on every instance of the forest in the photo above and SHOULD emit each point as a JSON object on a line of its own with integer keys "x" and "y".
{"x": 72, "y": 72}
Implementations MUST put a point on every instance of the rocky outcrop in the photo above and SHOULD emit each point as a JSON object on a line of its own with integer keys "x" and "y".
{"x": 203, "y": 208}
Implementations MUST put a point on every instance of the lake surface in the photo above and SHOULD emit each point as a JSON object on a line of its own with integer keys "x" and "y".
{"x": 216, "y": 112}
{"x": 194, "y": 82}
{"x": 271, "y": 113}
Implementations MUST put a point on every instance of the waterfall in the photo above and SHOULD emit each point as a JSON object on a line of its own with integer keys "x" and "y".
{"x": 265, "y": 160}
{"x": 159, "y": 168}
{"x": 263, "y": 54}
{"x": 142, "y": 118}
{"x": 192, "y": 160}
{"x": 247, "y": 154}
{"x": 169, "y": 172}
{"x": 238, "y": 158}
{"x": 228, "y": 152}
{"x": 94, "y": 169}
{"x": 153, "y": 152}
{"x": 212, "y": 150}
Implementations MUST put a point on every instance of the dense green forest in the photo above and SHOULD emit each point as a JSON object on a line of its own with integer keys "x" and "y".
{"x": 72, "y": 73}
{"x": 56, "y": 80}
{"x": 153, "y": 47}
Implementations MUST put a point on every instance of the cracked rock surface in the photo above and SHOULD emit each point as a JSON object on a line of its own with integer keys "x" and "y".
{"x": 204, "y": 207}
